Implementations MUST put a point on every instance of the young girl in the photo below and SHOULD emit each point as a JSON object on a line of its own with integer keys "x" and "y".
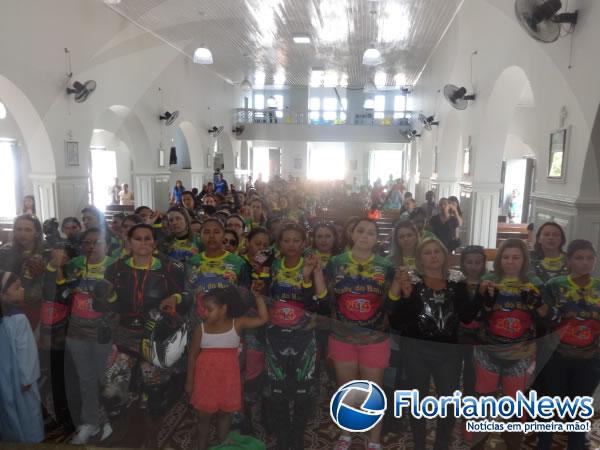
{"x": 361, "y": 284}
{"x": 512, "y": 303}
{"x": 548, "y": 260}
{"x": 215, "y": 267}
{"x": 296, "y": 286}
{"x": 574, "y": 368}
{"x": 404, "y": 246}
{"x": 20, "y": 404}
{"x": 213, "y": 376}
{"x": 258, "y": 218}
{"x": 325, "y": 242}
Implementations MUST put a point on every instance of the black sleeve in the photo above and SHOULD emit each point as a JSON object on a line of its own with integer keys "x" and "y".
{"x": 466, "y": 307}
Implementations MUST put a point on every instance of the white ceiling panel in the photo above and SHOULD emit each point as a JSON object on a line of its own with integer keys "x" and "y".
{"x": 249, "y": 36}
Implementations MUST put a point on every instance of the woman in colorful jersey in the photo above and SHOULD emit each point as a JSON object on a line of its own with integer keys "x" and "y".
{"x": 548, "y": 260}
{"x": 295, "y": 287}
{"x": 214, "y": 267}
{"x": 259, "y": 214}
{"x": 404, "y": 245}
{"x": 574, "y": 368}
{"x": 325, "y": 242}
{"x": 512, "y": 304}
{"x": 88, "y": 334}
{"x": 360, "y": 282}
{"x": 434, "y": 300}
{"x": 135, "y": 288}
{"x": 181, "y": 244}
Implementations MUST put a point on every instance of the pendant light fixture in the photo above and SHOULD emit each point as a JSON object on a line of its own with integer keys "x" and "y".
{"x": 202, "y": 55}
{"x": 245, "y": 85}
{"x": 372, "y": 56}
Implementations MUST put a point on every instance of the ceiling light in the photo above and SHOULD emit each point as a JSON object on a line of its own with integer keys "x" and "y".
{"x": 202, "y": 55}
{"x": 369, "y": 88}
{"x": 2, "y": 111}
{"x": 301, "y": 38}
{"x": 369, "y": 104}
{"x": 112, "y": 2}
{"x": 246, "y": 85}
{"x": 371, "y": 57}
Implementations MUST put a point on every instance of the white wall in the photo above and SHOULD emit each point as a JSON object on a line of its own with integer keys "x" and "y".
{"x": 507, "y": 61}
{"x": 128, "y": 65}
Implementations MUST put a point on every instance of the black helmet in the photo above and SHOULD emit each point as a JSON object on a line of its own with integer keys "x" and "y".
{"x": 165, "y": 338}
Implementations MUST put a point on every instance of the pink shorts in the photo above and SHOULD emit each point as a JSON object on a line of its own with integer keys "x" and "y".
{"x": 373, "y": 356}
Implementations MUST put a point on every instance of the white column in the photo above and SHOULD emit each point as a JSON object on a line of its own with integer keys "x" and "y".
{"x": 144, "y": 190}
{"x": 197, "y": 179}
{"x": 44, "y": 189}
{"x": 484, "y": 215}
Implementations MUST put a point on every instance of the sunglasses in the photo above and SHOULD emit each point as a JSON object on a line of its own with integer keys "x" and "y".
{"x": 232, "y": 242}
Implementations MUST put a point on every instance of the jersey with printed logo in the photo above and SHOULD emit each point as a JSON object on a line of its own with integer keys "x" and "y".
{"x": 579, "y": 311}
{"x": 181, "y": 249}
{"x": 81, "y": 278}
{"x": 548, "y": 268}
{"x": 291, "y": 301}
{"x": 205, "y": 273}
{"x": 509, "y": 316}
{"x": 360, "y": 292}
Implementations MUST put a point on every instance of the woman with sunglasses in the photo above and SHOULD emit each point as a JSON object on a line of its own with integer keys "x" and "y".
{"x": 231, "y": 242}
{"x": 88, "y": 339}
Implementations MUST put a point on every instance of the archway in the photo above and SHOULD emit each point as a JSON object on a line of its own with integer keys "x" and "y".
{"x": 37, "y": 143}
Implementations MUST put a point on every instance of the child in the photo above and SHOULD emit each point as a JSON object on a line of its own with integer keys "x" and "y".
{"x": 213, "y": 380}
{"x": 20, "y": 405}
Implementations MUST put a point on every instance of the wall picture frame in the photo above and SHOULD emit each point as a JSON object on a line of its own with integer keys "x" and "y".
{"x": 72, "y": 153}
{"x": 557, "y": 155}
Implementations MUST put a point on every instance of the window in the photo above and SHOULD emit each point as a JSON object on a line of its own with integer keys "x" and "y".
{"x": 104, "y": 172}
{"x": 279, "y": 105}
{"x": 399, "y": 106}
{"x": 259, "y": 101}
{"x": 383, "y": 163}
{"x": 260, "y": 163}
{"x": 379, "y": 106}
{"x": 326, "y": 161}
{"x": 330, "y": 108}
{"x": 314, "y": 106}
{"x": 8, "y": 205}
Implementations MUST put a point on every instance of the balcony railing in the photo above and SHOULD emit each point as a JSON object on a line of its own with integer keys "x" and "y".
{"x": 320, "y": 117}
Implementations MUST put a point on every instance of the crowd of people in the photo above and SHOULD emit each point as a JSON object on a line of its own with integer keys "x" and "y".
{"x": 243, "y": 297}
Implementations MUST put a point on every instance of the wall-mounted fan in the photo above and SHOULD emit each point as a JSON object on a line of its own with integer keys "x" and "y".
{"x": 215, "y": 131}
{"x": 540, "y": 19}
{"x": 82, "y": 90}
{"x": 169, "y": 117}
{"x": 410, "y": 134}
{"x": 239, "y": 129}
{"x": 428, "y": 121}
{"x": 457, "y": 96}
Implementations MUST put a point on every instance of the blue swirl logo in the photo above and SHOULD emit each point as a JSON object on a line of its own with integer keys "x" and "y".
{"x": 358, "y": 406}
